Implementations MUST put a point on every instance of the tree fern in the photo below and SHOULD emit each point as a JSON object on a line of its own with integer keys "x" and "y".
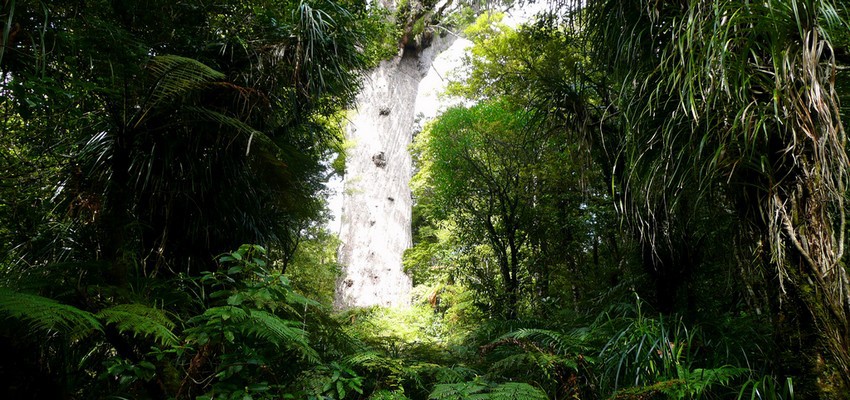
{"x": 141, "y": 320}
{"x": 393, "y": 371}
{"x": 43, "y": 314}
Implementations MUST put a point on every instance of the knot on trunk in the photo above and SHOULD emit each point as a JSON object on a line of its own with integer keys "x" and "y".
{"x": 380, "y": 160}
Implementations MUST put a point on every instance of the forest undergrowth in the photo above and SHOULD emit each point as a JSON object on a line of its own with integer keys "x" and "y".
{"x": 626, "y": 352}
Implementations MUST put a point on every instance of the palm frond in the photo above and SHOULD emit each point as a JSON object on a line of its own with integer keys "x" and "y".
{"x": 236, "y": 126}
{"x": 177, "y": 75}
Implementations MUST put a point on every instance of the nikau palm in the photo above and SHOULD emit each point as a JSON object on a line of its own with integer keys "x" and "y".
{"x": 740, "y": 96}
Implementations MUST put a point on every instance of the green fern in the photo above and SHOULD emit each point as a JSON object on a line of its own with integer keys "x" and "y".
{"x": 699, "y": 380}
{"x": 43, "y": 314}
{"x": 363, "y": 358}
{"x": 388, "y": 395}
{"x": 538, "y": 353}
{"x": 141, "y": 320}
{"x": 478, "y": 390}
{"x": 454, "y": 374}
{"x": 279, "y": 332}
{"x": 555, "y": 341}
{"x": 523, "y": 363}
{"x": 516, "y": 391}
{"x": 457, "y": 391}
{"x": 394, "y": 371}
{"x": 262, "y": 325}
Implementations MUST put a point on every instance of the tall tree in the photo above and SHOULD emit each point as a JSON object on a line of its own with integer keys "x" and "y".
{"x": 501, "y": 181}
{"x": 474, "y": 166}
{"x": 543, "y": 69}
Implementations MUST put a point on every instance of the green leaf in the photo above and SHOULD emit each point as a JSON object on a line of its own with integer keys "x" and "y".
{"x": 45, "y": 314}
{"x": 140, "y": 320}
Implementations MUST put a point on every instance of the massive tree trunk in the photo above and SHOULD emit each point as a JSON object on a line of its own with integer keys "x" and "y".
{"x": 377, "y": 203}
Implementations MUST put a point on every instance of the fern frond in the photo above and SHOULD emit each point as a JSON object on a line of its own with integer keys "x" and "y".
{"x": 556, "y": 341}
{"x": 363, "y": 359}
{"x": 388, "y": 395}
{"x": 516, "y": 391}
{"x": 525, "y": 363}
{"x": 477, "y": 390}
{"x": 454, "y": 374}
{"x": 700, "y": 380}
{"x": 43, "y": 314}
{"x": 141, "y": 320}
{"x": 279, "y": 332}
{"x": 457, "y": 391}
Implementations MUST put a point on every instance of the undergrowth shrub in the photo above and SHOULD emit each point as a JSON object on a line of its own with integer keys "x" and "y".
{"x": 243, "y": 333}
{"x": 246, "y": 333}
{"x": 627, "y": 353}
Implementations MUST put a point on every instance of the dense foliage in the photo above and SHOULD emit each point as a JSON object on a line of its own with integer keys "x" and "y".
{"x": 637, "y": 199}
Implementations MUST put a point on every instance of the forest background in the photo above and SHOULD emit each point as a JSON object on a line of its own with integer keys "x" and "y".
{"x": 645, "y": 200}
